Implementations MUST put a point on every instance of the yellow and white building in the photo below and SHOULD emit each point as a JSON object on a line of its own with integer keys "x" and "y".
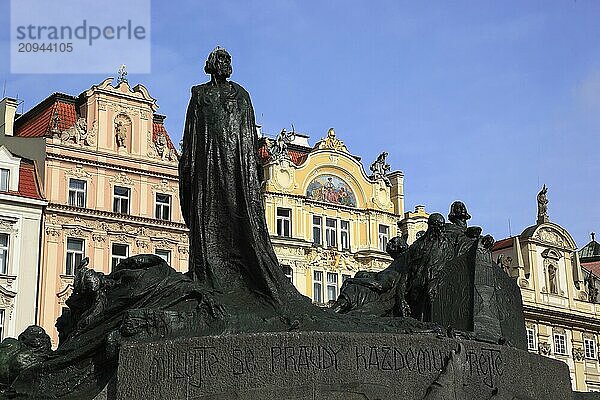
{"x": 561, "y": 322}
{"x": 327, "y": 218}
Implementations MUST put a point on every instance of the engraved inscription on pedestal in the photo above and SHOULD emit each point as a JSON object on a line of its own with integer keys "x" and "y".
{"x": 325, "y": 365}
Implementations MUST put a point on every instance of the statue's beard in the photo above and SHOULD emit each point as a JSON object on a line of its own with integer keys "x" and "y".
{"x": 224, "y": 71}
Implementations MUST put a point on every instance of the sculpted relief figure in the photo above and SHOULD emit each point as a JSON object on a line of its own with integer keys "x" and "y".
{"x": 380, "y": 169}
{"x": 409, "y": 285}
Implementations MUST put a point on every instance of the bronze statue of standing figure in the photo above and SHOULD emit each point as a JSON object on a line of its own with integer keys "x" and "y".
{"x": 219, "y": 187}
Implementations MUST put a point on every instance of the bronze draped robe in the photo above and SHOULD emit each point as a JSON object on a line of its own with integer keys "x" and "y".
{"x": 221, "y": 197}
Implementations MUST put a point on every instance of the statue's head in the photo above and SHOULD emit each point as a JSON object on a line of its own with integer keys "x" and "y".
{"x": 35, "y": 338}
{"x": 396, "y": 246}
{"x": 458, "y": 212}
{"x": 435, "y": 223}
{"x": 218, "y": 64}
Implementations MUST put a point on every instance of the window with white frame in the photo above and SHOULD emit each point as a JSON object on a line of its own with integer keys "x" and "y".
{"x": 164, "y": 254}
{"x": 345, "y": 235}
{"x": 284, "y": 222}
{"x": 560, "y": 343}
{"x": 288, "y": 272}
{"x": 163, "y": 207}
{"x": 119, "y": 252}
{"x": 77, "y": 193}
{"x": 531, "y": 339}
{"x": 332, "y": 286}
{"x": 4, "y": 179}
{"x": 121, "y": 199}
{"x": 2, "y": 313}
{"x": 331, "y": 232}
{"x": 4, "y": 243}
{"x": 384, "y": 236}
{"x": 589, "y": 346}
{"x": 318, "y": 287}
{"x": 317, "y": 230}
{"x": 75, "y": 253}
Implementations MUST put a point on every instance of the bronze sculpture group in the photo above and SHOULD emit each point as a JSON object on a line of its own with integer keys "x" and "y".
{"x": 235, "y": 283}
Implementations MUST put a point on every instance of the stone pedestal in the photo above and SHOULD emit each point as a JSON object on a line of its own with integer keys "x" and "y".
{"x": 344, "y": 366}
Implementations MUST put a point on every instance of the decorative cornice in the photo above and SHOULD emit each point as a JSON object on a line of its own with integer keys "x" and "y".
{"x": 108, "y": 216}
{"x": 564, "y": 319}
{"x": 331, "y": 205}
{"x": 113, "y": 166}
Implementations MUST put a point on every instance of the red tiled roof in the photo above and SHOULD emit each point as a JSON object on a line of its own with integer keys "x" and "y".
{"x": 159, "y": 128}
{"x": 593, "y": 267}
{"x": 38, "y": 121}
{"x": 503, "y": 244}
{"x": 29, "y": 185}
{"x": 28, "y": 180}
{"x": 297, "y": 157}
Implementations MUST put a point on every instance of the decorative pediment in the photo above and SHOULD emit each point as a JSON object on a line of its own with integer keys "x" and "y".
{"x": 139, "y": 92}
{"x": 76, "y": 230}
{"x": 7, "y": 295}
{"x": 164, "y": 242}
{"x": 331, "y": 142}
{"x": 78, "y": 172}
{"x": 7, "y": 225}
{"x": 550, "y": 234}
{"x": 7, "y": 300}
{"x": 330, "y": 259}
{"x": 165, "y": 187}
{"x": 64, "y": 294}
{"x": 122, "y": 178}
{"x": 551, "y": 254}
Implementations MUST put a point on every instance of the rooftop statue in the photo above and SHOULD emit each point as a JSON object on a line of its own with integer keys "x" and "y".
{"x": 542, "y": 206}
{"x": 380, "y": 169}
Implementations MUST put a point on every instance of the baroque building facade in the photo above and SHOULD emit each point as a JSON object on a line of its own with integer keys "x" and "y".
{"x": 561, "y": 320}
{"x": 327, "y": 217}
{"x": 21, "y": 206}
{"x": 109, "y": 173}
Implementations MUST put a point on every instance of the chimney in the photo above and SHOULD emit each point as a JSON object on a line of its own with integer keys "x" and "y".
{"x": 8, "y": 109}
{"x": 397, "y": 192}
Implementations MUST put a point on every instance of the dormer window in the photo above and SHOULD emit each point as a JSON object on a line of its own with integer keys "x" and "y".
{"x": 4, "y": 179}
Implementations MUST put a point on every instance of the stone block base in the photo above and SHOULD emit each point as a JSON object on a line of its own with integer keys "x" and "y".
{"x": 335, "y": 366}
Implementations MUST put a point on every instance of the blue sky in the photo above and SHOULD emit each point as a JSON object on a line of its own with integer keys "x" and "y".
{"x": 482, "y": 101}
